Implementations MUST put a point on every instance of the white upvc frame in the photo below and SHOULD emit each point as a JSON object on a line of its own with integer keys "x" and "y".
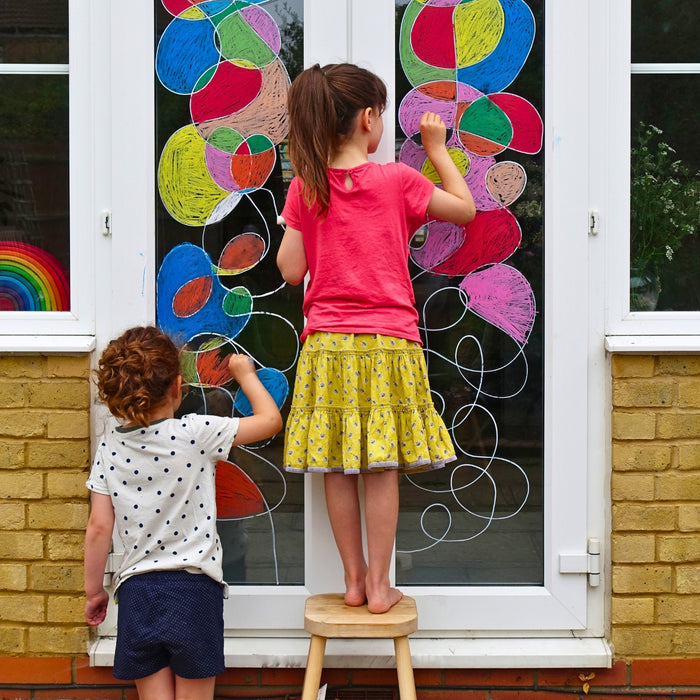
{"x": 561, "y": 623}
{"x": 628, "y": 331}
{"x": 73, "y": 330}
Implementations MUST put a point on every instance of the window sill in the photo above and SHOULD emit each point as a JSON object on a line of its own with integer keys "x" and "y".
{"x": 42, "y": 344}
{"x": 653, "y": 344}
{"x": 291, "y": 652}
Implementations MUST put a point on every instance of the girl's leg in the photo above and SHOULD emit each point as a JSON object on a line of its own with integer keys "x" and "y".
{"x": 343, "y": 506}
{"x": 158, "y": 686}
{"x": 194, "y": 688}
{"x": 381, "y": 516}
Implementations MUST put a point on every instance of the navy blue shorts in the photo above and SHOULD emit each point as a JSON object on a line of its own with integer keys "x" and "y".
{"x": 169, "y": 618}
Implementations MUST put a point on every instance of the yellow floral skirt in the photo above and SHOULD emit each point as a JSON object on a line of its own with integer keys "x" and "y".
{"x": 362, "y": 403}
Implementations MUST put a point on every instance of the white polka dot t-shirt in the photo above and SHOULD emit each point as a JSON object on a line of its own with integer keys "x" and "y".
{"x": 161, "y": 480}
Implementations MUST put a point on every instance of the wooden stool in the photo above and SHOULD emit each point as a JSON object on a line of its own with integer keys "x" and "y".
{"x": 326, "y": 615}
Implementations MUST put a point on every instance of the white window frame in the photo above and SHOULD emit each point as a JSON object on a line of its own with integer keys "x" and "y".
{"x": 72, "y": 330}
{"x": 560, "y": 624}
{"x": 627, "y": 331}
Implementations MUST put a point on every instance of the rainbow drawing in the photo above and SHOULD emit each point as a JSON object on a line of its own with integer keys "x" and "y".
{"x": 31, "y": 279}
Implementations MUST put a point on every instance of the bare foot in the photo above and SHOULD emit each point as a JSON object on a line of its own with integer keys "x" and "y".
{"x": 355, "y": 596}
{"x": 380, "y": 603}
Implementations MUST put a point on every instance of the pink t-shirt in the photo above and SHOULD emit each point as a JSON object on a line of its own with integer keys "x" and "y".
{"x": 358, "y": 254}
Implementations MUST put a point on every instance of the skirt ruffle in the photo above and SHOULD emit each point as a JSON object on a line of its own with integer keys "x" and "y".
{"x": 362, "y": 403}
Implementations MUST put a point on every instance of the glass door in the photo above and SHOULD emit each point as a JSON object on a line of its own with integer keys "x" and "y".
{"x": 480, "y": 542}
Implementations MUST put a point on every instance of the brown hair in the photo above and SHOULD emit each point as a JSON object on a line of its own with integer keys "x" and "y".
{"x": 323, "y": 103}
{"x": 135, "y": 373}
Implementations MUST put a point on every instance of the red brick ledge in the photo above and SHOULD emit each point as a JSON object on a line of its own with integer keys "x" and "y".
{"x": 27, "y": 677}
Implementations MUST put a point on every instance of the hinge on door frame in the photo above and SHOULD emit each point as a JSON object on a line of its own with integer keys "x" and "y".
{"x": 584, "y": 563}
{"x": 593, "y": 222}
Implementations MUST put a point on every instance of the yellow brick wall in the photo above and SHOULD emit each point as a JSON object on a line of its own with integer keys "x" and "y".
{"x": 44, "y": 459}
{"x": 45, "y": 456}
{"x": 655, "y": 490}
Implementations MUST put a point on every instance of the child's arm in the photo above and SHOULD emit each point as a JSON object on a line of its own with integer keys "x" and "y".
{"x": 454, "y": 202}
{"x": 291, "y": 256}
{"x": 266, "y": 419}
{"x": 98, "y": 540}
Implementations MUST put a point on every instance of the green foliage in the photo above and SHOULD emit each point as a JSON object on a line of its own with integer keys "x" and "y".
{"x": 664, "y": 202}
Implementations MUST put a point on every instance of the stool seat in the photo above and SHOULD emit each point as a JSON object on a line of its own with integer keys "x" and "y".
{"x": 327, "y": 616}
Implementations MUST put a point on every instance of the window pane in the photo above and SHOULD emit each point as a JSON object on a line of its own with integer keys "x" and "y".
{"x": 665, "y": 31}
{"x": 665, "y": 188}
{"x": 222, "y": 179}
{"x": 34, "y": 219}
{"x": 479, "y": 520}
{"x": 34, "y": 32}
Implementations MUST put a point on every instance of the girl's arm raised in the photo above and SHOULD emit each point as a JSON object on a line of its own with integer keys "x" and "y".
{"x": 454, "y": 202}
{"x": 266, "y": 420}
{"x": 291, "y": 257}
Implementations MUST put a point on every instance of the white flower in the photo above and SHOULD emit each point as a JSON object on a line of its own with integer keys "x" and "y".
{"x": 669, "y": 252}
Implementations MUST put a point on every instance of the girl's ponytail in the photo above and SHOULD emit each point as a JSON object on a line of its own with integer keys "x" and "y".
{"x": 323, "y": 104}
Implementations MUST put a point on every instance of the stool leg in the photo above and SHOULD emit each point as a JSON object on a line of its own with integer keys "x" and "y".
{"x": 314, "y": 666}
{"x": 407, "y": 684}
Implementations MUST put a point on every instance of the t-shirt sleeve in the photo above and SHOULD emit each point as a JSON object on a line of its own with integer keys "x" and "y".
{"x": 216, "y": 432}
{"x": 96, "y": 481}
{"x": 291, "y": 213}
{"x": 417, "y": 193}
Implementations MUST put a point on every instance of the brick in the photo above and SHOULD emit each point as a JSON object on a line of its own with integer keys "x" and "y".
{"x": 65, "y": 545}
{"x": 678, "y": 425}
{"x": 629, "y": 516}
{"x": 75, "y": 424}
{"x": 59, "y": 394}
{"x": 689, "y": 393}
{"x": 632, "y": 611}
{"x": 657, "y": 672}
{"x": 57, "y": 640}
{"x": 21, "y": 424}
{"x": 633, "y": 548}
{"x": 69, "y": 609}
{"x": 240, "y": 676}
{"x": 13, "y": 577}
{"x": 684, "y": 548}
{"x": 78, "y": 694}
{"x": 24, "y": 485}
{"x": 632, "y": 366}
{"x": 494, "y": 678}
{"x": 678, "y": 609}
{"x": 674, "y": 486}
{"x": 57, "y": 516}
{"x": 281, "y": 676}
{"x": 678, "y": 365}
{"x": 68, "y": 366}
{"x": 56, "y": 577}
{"x": 632, "y": 487}
{"x": 102, "y": 675}
{"x": 643, "y": 393}
{"x": 523, "y": 695}
{"x": 689, "y": 456}
{"x": 641, "y": 457}
{"x": 687, "y": 579}
{"x": 633, "y": 426}
{"x": 12, "y": 454}
{"x": 22, "y": 608}
{"x": 49, "y": 454}
{"x": 65, "y": 484}
{"x": 30, "y": 366}
{"x": 686, "y": 641}
{"x": 21, "y": 545}
{"x": 642, "y": 579}
{"x": 13, "y": 394}
{"x": 616, "y": 675}
{"x": 37, "y": 670}
{"x": 12, "y": 640}
{"x": 12, "y": 516}
{"x": 655, "y": 642}
{"x": 689, "y": 518}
